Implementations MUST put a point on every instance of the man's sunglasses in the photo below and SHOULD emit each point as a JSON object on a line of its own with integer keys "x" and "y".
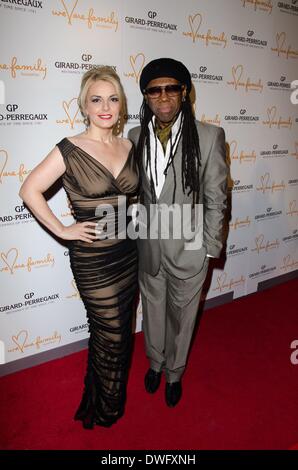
{"x": 170, "y": 90}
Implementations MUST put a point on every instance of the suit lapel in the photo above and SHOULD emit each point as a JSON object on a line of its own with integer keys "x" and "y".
{"x": 169, "y": 179}
{"x": 145, "y": 178}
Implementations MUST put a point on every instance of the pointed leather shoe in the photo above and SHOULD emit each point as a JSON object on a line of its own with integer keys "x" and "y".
{"x": 152, "y": 380}
{"x": 173, "y": 393}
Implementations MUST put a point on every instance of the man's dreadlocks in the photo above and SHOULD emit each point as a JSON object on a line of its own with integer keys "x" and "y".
{"x": 191, "y": 155}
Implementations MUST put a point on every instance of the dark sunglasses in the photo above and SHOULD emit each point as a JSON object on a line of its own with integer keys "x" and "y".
{"x": 170, "y": 90}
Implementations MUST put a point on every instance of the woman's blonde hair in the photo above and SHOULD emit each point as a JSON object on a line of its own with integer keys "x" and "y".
{"x": 108, "y": 74}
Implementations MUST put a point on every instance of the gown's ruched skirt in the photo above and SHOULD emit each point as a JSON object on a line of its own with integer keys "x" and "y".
{"x": 106, "y": 277}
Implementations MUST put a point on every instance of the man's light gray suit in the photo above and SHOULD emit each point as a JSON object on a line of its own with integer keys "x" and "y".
{"x": 171, "y": 278}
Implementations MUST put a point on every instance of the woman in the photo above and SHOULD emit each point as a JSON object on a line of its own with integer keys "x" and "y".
{"x": 96, "y": 167}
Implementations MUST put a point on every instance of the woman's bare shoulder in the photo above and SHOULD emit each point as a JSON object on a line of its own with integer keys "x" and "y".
{"x": 126, "y": 143}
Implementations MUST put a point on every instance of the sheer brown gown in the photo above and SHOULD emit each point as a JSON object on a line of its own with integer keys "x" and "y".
{"x": 106, "y": 276}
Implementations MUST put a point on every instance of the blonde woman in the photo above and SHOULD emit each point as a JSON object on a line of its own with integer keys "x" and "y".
{"x": 96, "y": 166}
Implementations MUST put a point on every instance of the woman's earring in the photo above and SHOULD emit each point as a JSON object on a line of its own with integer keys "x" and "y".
{"x": 118, "y": 128}
{"x": 86, "y": 122}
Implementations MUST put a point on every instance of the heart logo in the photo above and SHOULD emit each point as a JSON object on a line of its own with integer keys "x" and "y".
{"x": 259, "y": 242}
{"x": 10, "y": 258}
{"x": 21, "y": 339}
{"x": 69, "y": 15}
{"x": 221, "y": 281}
{"x": 237, "y": 74}
{"x": 195, "y": 23}
{"x": 292, "y": 207}
{"x": 3, "y": 161}
{"x": 264, "y": 181}
{"x": 137, "y": 63}
{"x": 271, "y": 113}
{"x": 287, "y": 261}
{"x": 67, "y": 106}
{"x": 280, "y": 40}
{"x": 233, "y": 148}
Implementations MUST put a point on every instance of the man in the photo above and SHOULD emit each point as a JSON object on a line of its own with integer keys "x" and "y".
{"x": 182, "y": 162}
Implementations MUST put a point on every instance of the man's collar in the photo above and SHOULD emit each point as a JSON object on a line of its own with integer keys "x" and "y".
{"x": 175, "y": 126}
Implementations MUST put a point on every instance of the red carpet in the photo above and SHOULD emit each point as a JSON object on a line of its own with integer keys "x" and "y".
{"x": 240, "y": 390}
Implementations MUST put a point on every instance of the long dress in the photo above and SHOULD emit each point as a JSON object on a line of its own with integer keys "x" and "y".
{"x": 106, "y": 276}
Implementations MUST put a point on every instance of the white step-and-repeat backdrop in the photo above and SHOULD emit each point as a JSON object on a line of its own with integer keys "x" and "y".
{"x": 243, "y": 56}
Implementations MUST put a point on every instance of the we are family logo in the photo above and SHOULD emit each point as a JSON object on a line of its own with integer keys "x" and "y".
{"x": 275, "y": 120}
{"x": 21, "y": 341}
{"x": 292, "y": 210}
{"x": 289, "y": 263}
{"x": 258, "y": 5}
{"x": 216, "y": 120}
{"x": 16, "y": 67}
{"x": 10, "y": 262}
{"x": 137, "y": 63}
{"x": 8, "y": 170}
{"x": 76, "y": 13}
{"x": 241, "y": 81}
{"x": 205, "y": 35}
{"x": 261, "y": 244}
{"x": 224, "y": 282}
{"x": 268, "y": 185}
{"x": 71, "y": 116}
{"x": 240, "y": 222}
{"x": 239, "y": 155}
{"x": 283, "y": 48}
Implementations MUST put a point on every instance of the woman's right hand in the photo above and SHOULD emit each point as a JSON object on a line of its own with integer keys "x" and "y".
{"x": 84, "y": 231}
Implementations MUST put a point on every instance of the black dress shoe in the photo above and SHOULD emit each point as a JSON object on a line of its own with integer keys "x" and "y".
{"x": 152, "y": 380}
{"x": 173, "y": 393}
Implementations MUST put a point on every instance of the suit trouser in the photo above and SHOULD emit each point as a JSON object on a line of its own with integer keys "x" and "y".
{"x": 170, "y": 308}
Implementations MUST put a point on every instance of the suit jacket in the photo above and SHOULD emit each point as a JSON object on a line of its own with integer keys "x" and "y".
{"x": 184, "y": 263}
